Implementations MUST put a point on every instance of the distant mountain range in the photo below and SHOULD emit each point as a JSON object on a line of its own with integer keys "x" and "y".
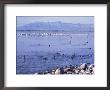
{"x": 57, "y": 26}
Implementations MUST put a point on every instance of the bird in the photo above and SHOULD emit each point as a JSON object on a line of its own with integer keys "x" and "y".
{"x": 53, "y": 72}
{"x": 58, "y": 71}
{"x": 83, "y": 66}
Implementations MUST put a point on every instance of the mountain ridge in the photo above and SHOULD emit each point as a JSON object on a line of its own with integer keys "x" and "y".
{"x": 57, "y": 26}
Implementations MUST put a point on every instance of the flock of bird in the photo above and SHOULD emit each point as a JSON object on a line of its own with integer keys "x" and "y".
{"x": 81, "y": 69}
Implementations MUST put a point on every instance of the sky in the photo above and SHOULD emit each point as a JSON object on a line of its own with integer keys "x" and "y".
{"x": 23, "y": 20}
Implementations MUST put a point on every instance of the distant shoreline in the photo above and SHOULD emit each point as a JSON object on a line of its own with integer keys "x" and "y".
{"x": 54, "y": 31}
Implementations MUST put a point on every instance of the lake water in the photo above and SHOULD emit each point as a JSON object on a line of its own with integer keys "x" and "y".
{"x": 40, "y": 51}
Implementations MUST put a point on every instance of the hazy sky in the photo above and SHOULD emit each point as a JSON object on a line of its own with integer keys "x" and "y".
{"x": 22, "y": 20}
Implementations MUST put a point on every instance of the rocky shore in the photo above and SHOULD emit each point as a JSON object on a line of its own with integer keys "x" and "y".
{"x": 85, "y": 68}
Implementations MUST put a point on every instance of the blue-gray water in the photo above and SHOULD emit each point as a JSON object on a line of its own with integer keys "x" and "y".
{"x": 45, "y": 50}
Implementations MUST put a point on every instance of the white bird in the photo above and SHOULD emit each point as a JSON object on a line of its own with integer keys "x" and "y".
{"x": 82, "y": 72}
{"x": 91, "y": 66}
{"x": 53, "y": 72}
{"x": 83, "y": 66}
{"x": 35, "y": 73}
{"x": 76, "y": 71}
{"x": 58, "y": 71}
